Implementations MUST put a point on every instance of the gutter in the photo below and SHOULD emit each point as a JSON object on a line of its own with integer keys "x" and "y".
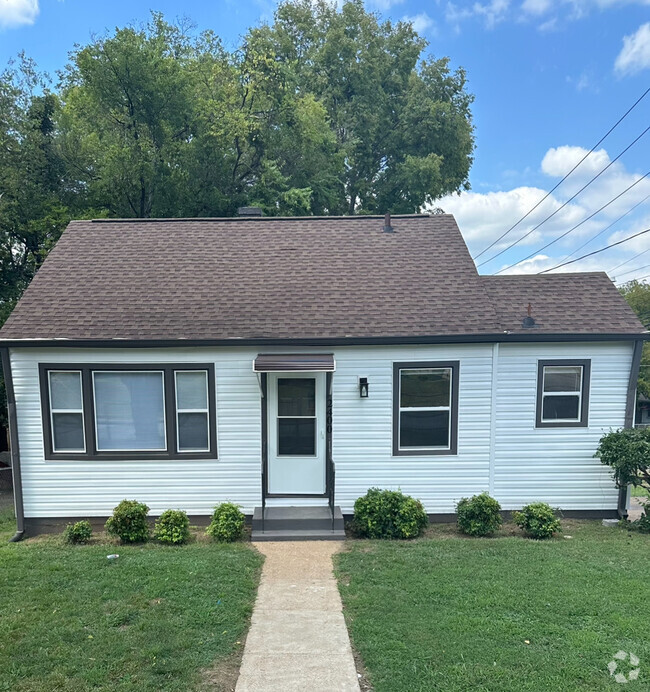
{"x": 15, "y": 451}
{"x": 488, "y": 338}
{"x": 630, "y": 407}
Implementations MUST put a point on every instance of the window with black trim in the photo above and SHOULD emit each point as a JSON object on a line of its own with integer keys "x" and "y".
{"x": 563, "y": 393}
{"x": 128, "y": 411}
{"x": 425, "y": 408}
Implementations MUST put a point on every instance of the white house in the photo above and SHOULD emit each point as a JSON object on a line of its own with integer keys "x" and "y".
{"x": 297, "y": 362}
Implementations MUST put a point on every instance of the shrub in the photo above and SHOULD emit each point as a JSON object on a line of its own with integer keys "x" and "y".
{"x": 537, "y": 520}
{"x": 479, "y": 515}
{"x": 129, "y": 522}
{"x": 80, "y": 532}
{"x": 643, "y": 523}
{"x": 172, "y": 526}
{"x": 627, "y": 453}
{"x": 227, "y": 523}
{"x": 388, "y": 514}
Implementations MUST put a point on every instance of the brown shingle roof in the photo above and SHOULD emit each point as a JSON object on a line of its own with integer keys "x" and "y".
{"x": 286, "y": 278}
{"x": 586, "y": 303}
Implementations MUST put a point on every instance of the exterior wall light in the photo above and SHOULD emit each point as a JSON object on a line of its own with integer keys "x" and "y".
{"x": 363, "y": 387}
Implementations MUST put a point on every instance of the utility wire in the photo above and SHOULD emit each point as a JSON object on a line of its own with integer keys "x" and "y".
{"x": 636, "y": 269}
{"x": 550, "y": 192}
{"x": 566, "y": 233}
{"x": 550, "y": 216}
{"x": 591, "y": 240}
{"x": 622, "y": 264}
{"x": 595, "y": 252}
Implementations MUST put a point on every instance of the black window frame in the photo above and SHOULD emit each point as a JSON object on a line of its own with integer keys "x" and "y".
{"x": 169, "y": 387}
{"x": 585, "y": 364}
{"x": 452, "y": 450}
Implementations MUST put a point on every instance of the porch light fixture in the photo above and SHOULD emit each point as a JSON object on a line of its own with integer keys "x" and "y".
{"x": 363, "y": 387}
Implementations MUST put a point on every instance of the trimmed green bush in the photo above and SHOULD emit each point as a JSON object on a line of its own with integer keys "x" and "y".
{"x": 129, "y": 522}
{"x": 538, "y": 520}
{"x": 227, "y": 523}
{"x": 479, "y": 515}
{"x": 79, "y": 532}
{"x": 172, "y": 526}
{"x": 388, "y": 514}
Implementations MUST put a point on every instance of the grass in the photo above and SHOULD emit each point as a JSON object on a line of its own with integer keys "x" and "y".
{"x": 157, "y": 618}
{"x": 503, "y": 614}
{"x": 639, "y": 492}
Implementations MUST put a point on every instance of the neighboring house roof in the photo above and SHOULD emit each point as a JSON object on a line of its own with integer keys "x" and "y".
{"x": 293, "y": 278}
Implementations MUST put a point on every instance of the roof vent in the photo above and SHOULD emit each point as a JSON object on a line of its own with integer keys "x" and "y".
{"x": 249, "y": 211}
{"x": 529, "y": 320}
{"x": 387, "y": 227}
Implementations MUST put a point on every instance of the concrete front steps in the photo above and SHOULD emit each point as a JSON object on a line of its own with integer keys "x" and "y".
{"x": 298, "y": 524}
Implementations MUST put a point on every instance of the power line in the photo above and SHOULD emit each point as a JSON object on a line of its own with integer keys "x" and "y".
{"x": 595, "y": 252}
{"x": 550, "y": 192}
{"x": 550, "y": 216}
{"x": 591, "y": 240}
{"x": 638, "y": 254}
{"x": 566, "y": 233}
{"x": 636, "y": 269}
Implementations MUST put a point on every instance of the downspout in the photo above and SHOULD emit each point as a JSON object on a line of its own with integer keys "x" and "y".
{"x": 630, "y": 407}
{"x": 13, "y": 443}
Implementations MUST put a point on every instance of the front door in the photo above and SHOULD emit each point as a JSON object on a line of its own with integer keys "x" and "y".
{"x": 296, "y": 434}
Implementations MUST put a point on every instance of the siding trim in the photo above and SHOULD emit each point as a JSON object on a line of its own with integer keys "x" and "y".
{"x": 586, "y": 381}
{"x": 493, "y": 416}
{"x": 14, "y": 446}
{"x": 454, "y": 365}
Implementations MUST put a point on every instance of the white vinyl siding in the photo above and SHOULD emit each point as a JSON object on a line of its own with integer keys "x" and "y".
{"x": 500, "y": 451}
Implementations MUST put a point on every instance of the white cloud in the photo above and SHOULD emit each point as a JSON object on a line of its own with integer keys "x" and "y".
{"x": 483, "y": 217}
{"x": 635, "y": 54}
{"x": 421, "y": 22}
{"x": 382, "y": 5}
{"x": 17, "y": 12}
{"x": 536, "y": 7}
{"x": 492, "y": 12}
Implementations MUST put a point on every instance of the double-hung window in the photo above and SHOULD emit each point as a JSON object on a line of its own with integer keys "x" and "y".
{"x": 425, "y": 408}
{"x": 563, "y": 393}
{"x": 128, "y": 412}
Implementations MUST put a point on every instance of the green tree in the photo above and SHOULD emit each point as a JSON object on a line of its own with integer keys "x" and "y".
{"x": 402, "y": 122}
{"x": 637, "y": 295}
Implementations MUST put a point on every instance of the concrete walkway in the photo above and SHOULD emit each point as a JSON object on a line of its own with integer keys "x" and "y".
{"x": 298, "y": 639}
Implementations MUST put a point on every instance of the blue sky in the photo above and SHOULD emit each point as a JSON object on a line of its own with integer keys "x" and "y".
{"x": 550, "y": 78}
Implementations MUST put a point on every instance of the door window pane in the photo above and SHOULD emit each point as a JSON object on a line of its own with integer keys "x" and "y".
{"x": 129, "y": 411}
{"x": 565, "y": 378}
{"x": 425, "y": 388}
{"x": 561, "y": 408}
{"x": 297, "y": 436}
{"x": 296, "y": 396}
{"x": 424, "y": 429}
{"x": 193, "y": 432}
{"x": 65, "y": 390}
{"x": 191, "y": 389}
{"x": 67, "y": 432}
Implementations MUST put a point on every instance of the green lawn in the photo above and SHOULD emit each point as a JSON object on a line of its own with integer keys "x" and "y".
{"x": 502, "y": 614}
{"x": 158, "y": 618}
{"x": 639, "y": 492}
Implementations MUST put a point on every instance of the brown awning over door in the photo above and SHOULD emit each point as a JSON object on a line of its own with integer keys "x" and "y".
{"x": 294, "y": 362}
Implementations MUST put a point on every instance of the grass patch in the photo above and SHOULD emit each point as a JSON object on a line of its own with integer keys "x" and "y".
{"x": 155, "y": 619}
{"x": 637, "y": 491}
{"x": 454, "y": 614}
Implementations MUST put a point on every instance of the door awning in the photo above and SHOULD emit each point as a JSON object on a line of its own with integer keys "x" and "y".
{"x": 294, "y": 362}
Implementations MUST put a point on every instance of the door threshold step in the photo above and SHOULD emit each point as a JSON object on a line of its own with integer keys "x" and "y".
{"x": 298, "y": 535}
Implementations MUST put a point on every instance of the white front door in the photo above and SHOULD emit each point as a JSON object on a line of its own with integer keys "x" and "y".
{"x": 296, "y": 433}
